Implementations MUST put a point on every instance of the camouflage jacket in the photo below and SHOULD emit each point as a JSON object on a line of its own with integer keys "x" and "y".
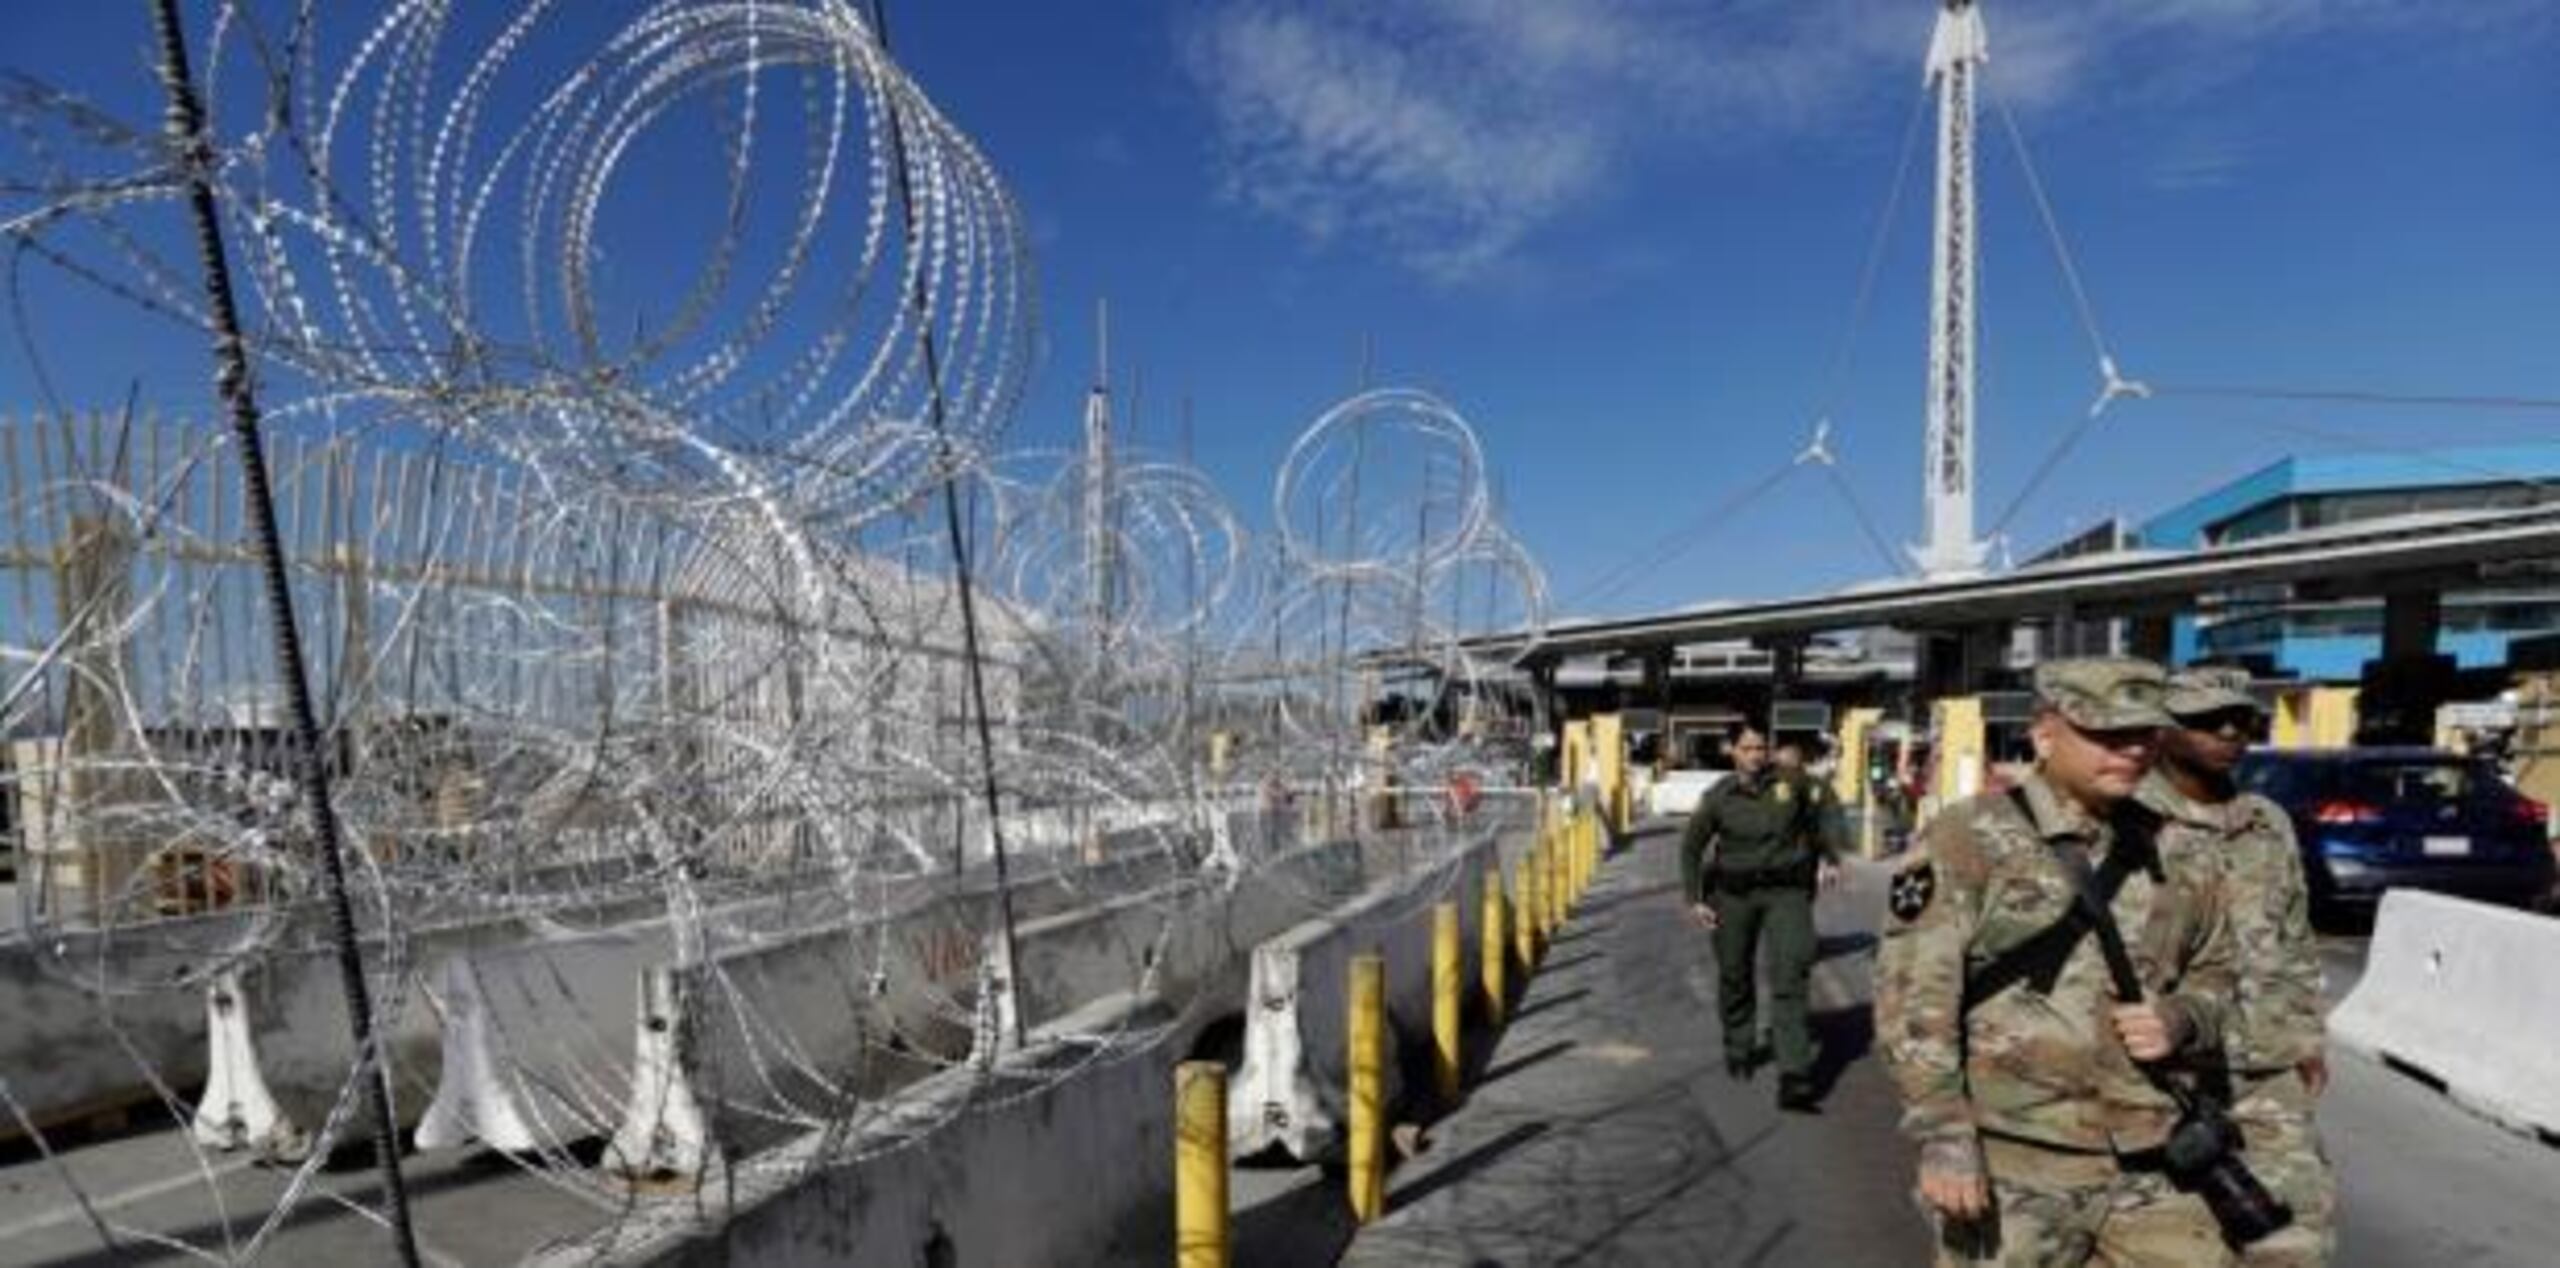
{"x": 2279, "y": 1003}
{"x": 1772, "y": 823}
{"x": 2030, "y": 1059}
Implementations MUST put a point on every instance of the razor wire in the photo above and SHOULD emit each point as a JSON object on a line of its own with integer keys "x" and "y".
{"x": 636, "y": 651}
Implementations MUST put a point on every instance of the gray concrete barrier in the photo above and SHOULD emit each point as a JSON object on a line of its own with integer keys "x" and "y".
{"x": 950, "y": 1172}
{"x": 1177, "y": 940}
{"x": 1289, "y": 1094}
{"x": 788, "y": 1034}
{"x": 1072, "y": 1126}
{"x": 2465, "y": 993}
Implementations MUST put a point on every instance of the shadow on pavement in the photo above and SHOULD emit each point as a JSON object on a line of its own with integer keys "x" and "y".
{"x": 1557, "y": 1000}
{"x": 1496, "y": 1073}
{"x": 1468, "y": 1164}
{"x": 1844, "y": 1036}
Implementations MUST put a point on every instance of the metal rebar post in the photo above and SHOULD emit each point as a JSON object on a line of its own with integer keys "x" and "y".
{"x": 186, "y": 126}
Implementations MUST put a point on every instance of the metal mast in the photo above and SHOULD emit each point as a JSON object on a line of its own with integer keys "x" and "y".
{"x": 1957, "y": 51}
{"x": 1099, "y": 545}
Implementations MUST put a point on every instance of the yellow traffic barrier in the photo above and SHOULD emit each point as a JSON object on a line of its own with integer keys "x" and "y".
{"x": 1495, "y": 947}
{"x": 1448, "y": 972}
{"x": 1200, "y": 1165}
{"x": 1368, "y": 1062}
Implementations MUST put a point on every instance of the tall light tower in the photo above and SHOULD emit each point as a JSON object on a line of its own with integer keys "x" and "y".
{"x": 1957, "y": 51}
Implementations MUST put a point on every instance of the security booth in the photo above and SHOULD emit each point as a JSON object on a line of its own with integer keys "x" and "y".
{"x": 2007, "y": 717}
{"x": 1647, "y": 746}
{"x": 1806, "y": 723}
{"x": 1895, "y": 772}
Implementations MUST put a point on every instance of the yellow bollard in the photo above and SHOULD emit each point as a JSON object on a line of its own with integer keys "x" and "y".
{"x": 1524, "y": 916}
{"x": 1582, "y": 850}
{"x": 1568, "y": 848}
{"x": 1559, "y": 902}
{"x": 1448, "y": 971}
{"x": 1533, "y": 868}
{"x": 1495, "y": 946}
{"x": 1368, "y": 1062}
{"x": 1200, "y": 1165}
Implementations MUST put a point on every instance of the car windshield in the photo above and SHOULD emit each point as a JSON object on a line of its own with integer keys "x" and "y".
{"x": 2420, "y": 782}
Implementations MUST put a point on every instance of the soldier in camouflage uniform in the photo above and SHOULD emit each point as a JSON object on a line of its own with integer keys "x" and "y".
{"x": 2040, "y": 1139}
{"x": 2274, "y": 1048}
{"x": 1755, "y": 850}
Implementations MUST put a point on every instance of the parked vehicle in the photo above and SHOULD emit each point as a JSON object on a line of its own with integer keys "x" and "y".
{"x": 2373, "y": 818}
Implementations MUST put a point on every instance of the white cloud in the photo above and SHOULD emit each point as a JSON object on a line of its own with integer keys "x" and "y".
{"x": 2202, "y": 159}
{"x": 1342, "y": 128}
{"x": 1447, "y": 133}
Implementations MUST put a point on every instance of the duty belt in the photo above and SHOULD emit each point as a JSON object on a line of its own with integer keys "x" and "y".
{"x": 1729, "y": 880}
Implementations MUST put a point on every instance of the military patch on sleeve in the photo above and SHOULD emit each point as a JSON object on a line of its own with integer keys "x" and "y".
{"x": 1911, "y": 891}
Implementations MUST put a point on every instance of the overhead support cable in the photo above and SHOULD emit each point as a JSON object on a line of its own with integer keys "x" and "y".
{"x": 1844, "y": 358}
{"x": 2420, "y": 454}
{"x": 2351, "y": 396}
{"x": 2113, "y": 385}
{"x": 1681, "y": 540}
{"x": 1818, "y": 452}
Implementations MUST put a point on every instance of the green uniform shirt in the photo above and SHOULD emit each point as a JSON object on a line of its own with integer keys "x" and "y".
{"x": 1764, "y": 824}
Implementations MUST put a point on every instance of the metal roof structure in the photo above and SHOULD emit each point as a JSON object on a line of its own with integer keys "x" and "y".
{"x": 2446, "y": 549}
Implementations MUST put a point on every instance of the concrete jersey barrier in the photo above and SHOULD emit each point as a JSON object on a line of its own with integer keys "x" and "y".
{"x": 2464, "y": 992}
{"x": 1290, "y": 1092}
{"x": 943, "y": 1171}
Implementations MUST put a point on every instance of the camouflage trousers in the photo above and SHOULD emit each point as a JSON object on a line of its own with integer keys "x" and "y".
{"x": 2053, "y": 1208}
{"x": 2281, "y": 1143}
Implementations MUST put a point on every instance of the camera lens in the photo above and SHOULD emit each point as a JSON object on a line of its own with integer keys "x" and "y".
{"x": 2241, "y": 1205}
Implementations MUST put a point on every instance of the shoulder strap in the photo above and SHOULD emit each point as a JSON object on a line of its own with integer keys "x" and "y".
{"x": 2039, "y": 960}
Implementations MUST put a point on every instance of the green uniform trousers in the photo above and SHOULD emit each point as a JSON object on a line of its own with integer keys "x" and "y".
{"x": 1784, "y": 918}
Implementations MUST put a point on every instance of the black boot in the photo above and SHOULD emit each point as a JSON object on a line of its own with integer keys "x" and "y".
{"x": 1795, "y": 1092}
{"x": 1737, "y": 1068}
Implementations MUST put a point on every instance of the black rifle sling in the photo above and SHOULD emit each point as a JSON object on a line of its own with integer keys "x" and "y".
{"x": 2039, "y": 960}
{"x": 2099, "y": 914}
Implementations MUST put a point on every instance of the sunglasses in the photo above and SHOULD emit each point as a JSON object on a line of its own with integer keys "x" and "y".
{"x": 2241, "y": 723}
{"x": 2117, "y": 739}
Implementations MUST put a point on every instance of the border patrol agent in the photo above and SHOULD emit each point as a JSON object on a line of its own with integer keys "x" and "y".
{"x": 1756, "y": 849}
{"x": 2040, "y": 1138}
{"x": 2277, "y": 1067}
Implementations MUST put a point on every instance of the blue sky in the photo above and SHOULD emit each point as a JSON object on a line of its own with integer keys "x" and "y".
{"x": 1624, "y": 238}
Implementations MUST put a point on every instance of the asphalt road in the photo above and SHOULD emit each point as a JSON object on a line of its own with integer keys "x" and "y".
{"x": 1607, "y": 1132}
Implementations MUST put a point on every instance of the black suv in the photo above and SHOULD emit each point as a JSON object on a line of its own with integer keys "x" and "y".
{"x": 2369, "y": 819}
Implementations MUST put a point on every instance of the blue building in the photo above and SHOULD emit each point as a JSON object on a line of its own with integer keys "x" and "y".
{"x": 2313, "y": 636}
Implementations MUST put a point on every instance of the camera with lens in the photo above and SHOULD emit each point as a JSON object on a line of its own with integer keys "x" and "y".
{"x": 2203, "y": 1156}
